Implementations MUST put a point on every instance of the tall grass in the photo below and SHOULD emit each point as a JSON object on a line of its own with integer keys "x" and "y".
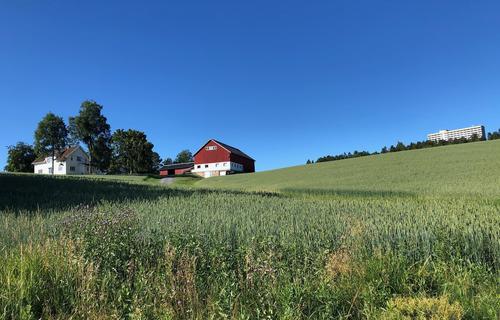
{"x": 97, "y": 249}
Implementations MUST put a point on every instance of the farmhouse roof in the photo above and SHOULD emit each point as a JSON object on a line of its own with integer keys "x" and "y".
{"x": 182, "y": 165}
{"x": 232, "y": 150}
{"x": 60, "y": 156}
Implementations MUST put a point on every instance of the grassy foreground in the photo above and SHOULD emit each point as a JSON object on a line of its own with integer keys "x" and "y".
{"x": 337, "y": 245}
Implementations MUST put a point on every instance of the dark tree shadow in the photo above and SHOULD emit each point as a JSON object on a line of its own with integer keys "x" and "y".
{"x": 39, "y": 193}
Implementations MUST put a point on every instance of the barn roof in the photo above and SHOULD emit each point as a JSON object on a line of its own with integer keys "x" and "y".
{"x": 232, "y": 150}
{"x": 172, "y": 166}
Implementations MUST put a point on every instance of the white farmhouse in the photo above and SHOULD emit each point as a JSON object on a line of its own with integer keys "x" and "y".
{"x": 72, "y": 160}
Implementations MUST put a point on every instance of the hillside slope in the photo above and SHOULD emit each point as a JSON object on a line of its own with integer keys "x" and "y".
{"x": 472, "y": 168}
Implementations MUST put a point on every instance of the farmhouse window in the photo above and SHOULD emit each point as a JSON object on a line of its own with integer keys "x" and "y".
{"x": 78, "y": 158}
{"x": 199, "y": 166}
{"x": 206, "y": 166}
{"x": 72, "y": 168}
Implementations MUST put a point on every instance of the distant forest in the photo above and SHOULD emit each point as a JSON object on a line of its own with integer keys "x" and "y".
{"x": 400, "y": 146}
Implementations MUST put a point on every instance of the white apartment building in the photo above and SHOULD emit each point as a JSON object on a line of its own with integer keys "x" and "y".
{"x": 467, "y": 133}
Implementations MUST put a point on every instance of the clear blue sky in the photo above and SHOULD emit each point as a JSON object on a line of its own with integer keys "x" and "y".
{"x": 283, "y": 81}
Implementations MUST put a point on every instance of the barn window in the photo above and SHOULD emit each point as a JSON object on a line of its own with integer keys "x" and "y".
{"x": 211, "y": 148}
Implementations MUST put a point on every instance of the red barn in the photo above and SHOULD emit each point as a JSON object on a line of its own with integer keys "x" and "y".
{"x": 219, "y": 159}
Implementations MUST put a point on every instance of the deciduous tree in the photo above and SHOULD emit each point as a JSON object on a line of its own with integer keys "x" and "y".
{"x": 184, "y": 156}
{"x": 92, "y": 128}
{"x": 50, "y": 136}
{"x": 132, "y": 152}
{"x": 20, "y": 158}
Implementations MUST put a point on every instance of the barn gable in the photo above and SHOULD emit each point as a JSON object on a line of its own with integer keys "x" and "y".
{"x": 216, "y": 158}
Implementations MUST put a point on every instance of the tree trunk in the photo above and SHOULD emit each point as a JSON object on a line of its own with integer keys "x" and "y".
{"x": 53, "y": 155}
{"x": 90, "y": 157}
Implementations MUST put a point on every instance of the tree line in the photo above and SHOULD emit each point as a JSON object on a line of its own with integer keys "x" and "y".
{"x": 400, "y": 146}
{"x": 124, "y": 151}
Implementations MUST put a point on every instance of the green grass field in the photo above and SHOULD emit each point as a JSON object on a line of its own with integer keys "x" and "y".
{"x": 467, "y": 169}
{"x": 409, "y": 235}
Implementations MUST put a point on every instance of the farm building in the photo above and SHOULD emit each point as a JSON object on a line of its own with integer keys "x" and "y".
{"x": 219, "y": 159}
{"x": 72, "y": 160}
{"x": 176, "y": 169}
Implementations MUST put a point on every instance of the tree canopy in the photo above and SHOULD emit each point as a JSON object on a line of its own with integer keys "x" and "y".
{"x": 167, "y": 161}
{"x": 184, "y": 156}
{"x": 91, "y": 127}
{"x": 20, "y": 158}
{"x": 132, "y": 152}
{"x": 50, "y": 136}
{"x": 494, "y": 135}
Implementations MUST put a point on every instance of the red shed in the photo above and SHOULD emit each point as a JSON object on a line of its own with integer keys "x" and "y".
{"x": 176, "y": 169}
{"x": 219, "y": 159}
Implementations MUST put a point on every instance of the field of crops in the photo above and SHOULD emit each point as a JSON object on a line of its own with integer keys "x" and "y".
{"x": 314, "y": 242}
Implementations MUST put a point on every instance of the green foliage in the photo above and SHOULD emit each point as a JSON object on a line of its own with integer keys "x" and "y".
{"x": 20, "y": 158}
{"x": 92, "y": 128}
{"x": 50, "y": 136}
{"x": 184, "y": 156}
{"x": 156, "y": 162}
{"x": 132, "y": 152}
{"x": 167, "y": 161}
{"x": 494, "y": 135}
